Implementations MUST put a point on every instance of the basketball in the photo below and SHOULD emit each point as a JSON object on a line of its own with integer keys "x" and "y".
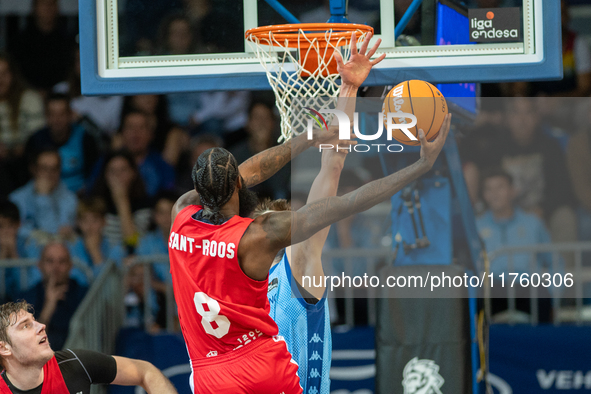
{"x": 421, "y": 99}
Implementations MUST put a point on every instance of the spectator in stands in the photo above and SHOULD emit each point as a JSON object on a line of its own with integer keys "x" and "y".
{"x": 47, "y": 206}
{"x": 261, "y": 130}
{"x": 134, "y": 301}
{"x": 136, "y": 135}
{"x": 141, "y": 22}
{"x": 169, "y": 140}
{"x": 177, "y": 36}
{"x": 91, "y": 247}
{"x": 128, "y": 206}
{"x": 156, "y": 241}
{"x": 44, "y": 50}
{"x": 504, "y": 224}
{"x": 197, "y": 10}
{"x": 77, "y": 148}
{"x": 576, "y": 64}
{"x": 56, "y": 298}
{"x": 538, "y": 168}
{"x": 232, "y": 39}
{"x": 14, "y": 246}
{"x": 102, "y": 113}
{"x": 220, "y": 112}
{"x": 21, "y": 111}
{"x": 198, "y": 145}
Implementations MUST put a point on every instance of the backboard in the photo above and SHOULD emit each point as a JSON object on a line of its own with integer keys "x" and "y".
{"x": 156, "y": 46}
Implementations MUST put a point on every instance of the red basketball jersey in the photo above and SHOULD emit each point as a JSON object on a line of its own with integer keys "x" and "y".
{"x": 220, "y": 308}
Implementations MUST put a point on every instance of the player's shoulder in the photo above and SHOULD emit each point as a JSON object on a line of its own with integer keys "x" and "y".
{"x": 186, "y": 200}
{"x": 64, "y": 355}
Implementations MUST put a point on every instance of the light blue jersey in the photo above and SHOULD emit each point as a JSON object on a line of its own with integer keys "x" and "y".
{"x": 305, "y": 327}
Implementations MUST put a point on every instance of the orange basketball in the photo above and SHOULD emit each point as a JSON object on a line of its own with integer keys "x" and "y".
{"x": 421, "y": 99}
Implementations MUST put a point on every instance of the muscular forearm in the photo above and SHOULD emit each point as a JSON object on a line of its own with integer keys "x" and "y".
{"x": 306, "y": 256}
{"x": 155, "y": 382}
{"x": 346, "y": 101}
{"x": 264, "y": 165}
{"x": 132, "y": 372}
{"x": 315, "y": 216}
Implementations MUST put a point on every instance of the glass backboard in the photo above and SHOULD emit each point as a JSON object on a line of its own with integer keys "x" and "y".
{"x": 154, "y": 46}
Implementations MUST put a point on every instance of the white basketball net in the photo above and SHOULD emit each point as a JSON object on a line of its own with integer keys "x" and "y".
{"x": 284, "y": 73}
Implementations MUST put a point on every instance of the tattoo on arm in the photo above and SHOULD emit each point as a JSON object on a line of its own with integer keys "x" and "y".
{"x": 264, "y": 165}
{"x": 315, "y": 216}
{"x": 287, "y": 228}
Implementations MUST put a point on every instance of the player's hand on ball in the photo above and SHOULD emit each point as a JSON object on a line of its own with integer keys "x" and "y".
{"x": 430, "y": 150}
{"x": 359, "y": 64}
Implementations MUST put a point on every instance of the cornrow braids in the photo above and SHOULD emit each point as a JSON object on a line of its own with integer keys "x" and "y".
{"x": 214, "y": 176}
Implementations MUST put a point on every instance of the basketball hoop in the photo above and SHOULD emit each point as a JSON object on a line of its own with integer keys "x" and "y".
{"x": 308, "y": 73}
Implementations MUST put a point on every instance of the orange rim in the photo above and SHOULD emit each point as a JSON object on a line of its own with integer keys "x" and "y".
{"x": 291, "y": 32}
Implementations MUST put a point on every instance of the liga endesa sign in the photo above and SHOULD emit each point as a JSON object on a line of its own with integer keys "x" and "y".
{"x": 495, "y": 24}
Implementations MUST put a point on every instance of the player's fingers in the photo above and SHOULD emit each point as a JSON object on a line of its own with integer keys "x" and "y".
{"x": 444, "y": 129}
{"x": 347, "y": 142}
{"x": 353, "y": 44}
{"x": 339, "y": 59}
{"x": 379, "y": 59}
{"x": 374, "y": 48}
{"x": 352, "y": 136}
{"x": 365, "y": 44}
{"x": 422, "y": 137}
{"x": 447, "y": 122}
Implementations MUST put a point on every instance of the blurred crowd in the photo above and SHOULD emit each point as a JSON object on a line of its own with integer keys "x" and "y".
{"x": 92, "y": 179}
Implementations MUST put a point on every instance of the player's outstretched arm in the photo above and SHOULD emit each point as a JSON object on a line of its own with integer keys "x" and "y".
{"x": 132, "y": 372}
{"x": 306, "y": 256}
{"x": 313, "y": 217}
{"x": 262, "y": 166}
{"x": 265, "y": 164}
{"x": 271, "y": 232}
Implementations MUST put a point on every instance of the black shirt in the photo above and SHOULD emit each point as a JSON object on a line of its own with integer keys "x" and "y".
{"x": 80, "y": 369}
{"x": 59, "y": 325}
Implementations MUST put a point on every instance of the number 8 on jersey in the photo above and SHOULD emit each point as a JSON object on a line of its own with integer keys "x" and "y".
{"x": 209, "y": 309}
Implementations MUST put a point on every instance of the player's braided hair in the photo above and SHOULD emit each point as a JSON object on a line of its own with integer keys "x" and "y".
{"x": 214, "y": 177}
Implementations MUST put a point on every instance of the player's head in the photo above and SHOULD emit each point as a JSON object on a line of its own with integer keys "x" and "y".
{"x": 59, "y": 115}
{"x": 217, "y": 179}
{"x": 136, "y": 133}
{"x": 203, "y": 142}
{"x": 23, "y": 340}
{"x": 497, "y": 189}
{"x": 91, "y": 215}
{"x": 268, "y": 205}
{"x": 55, "y": 263}
{"x": 161, "y": 214}
{"x": 47, "y": 166}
